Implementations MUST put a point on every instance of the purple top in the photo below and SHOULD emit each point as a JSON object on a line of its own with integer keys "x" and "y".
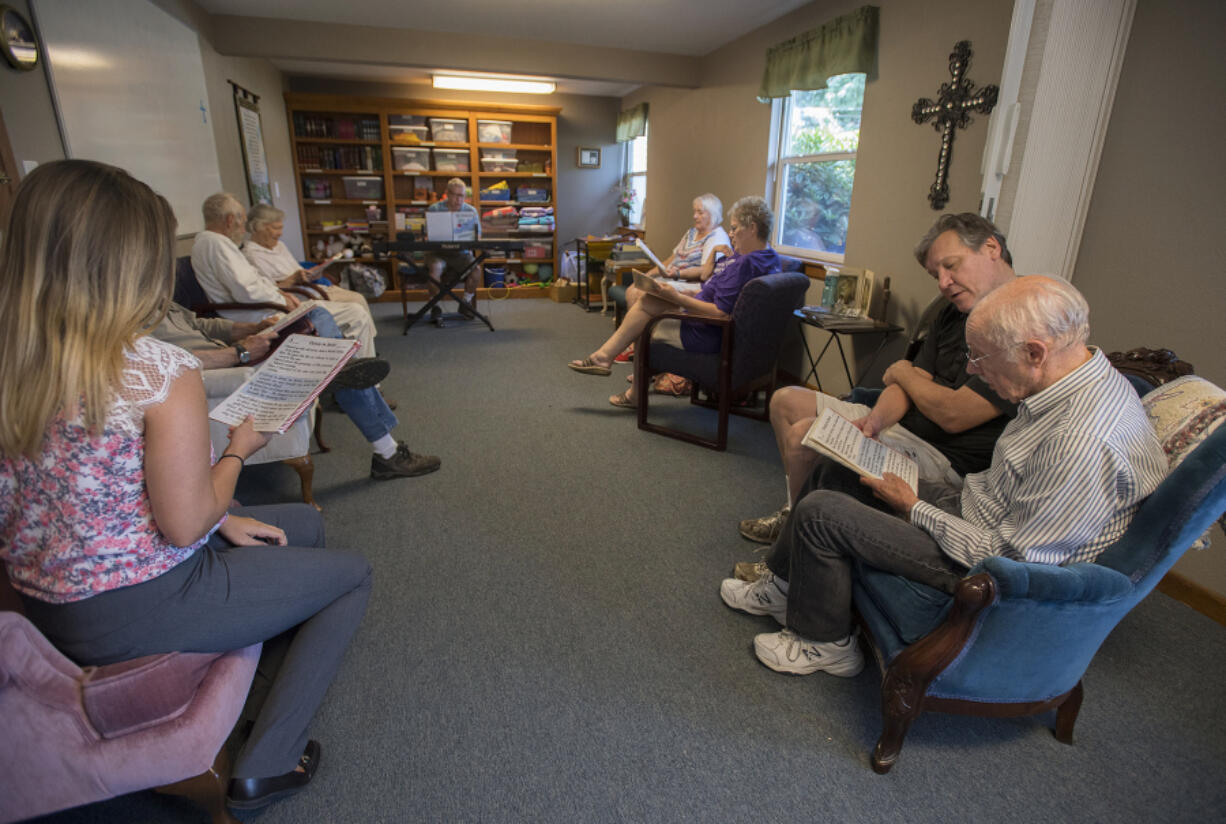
{"x": 722, "y": 289}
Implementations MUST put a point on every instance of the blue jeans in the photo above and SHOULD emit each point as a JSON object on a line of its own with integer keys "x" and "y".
{"x": 365, "y": 407}
{"x": 836, "y": 525}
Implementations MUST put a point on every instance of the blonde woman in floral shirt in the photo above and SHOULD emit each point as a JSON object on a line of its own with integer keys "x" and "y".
{"x": 113, "y": 519}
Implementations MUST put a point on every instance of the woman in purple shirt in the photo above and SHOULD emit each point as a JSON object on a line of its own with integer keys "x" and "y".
{"x": 749, "y": 228}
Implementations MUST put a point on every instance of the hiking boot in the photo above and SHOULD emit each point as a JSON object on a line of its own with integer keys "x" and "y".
{"x": 761, "y": 597}
{"x": 361, "y": 373}
{"x": 404, "y": 464}
{"x": 765, "y": 530}
{"x": 750, "y": 571}
{"x": 787, "y": 652}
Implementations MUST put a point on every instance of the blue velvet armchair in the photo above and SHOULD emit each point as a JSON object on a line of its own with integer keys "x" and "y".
{"x": 1017, "y": 637}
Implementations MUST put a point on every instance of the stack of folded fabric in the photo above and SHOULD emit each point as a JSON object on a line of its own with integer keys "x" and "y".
{"x": 500, "y": 221}
{"x": 536, "y": 219}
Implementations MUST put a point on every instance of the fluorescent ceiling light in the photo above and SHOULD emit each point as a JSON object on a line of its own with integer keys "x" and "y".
{"x": 492, "y": 84}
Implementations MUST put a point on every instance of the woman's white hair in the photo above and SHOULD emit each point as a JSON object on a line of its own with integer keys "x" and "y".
{"x": 262, "y": 214}
{"x": 713, "y": 206}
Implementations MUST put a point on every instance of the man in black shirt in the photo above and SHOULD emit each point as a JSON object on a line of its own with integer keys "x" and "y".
{"x": 946, "y": 419}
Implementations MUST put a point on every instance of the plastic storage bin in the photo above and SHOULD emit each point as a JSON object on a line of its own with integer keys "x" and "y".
{"x": 495, "y": 276}
{"x": 409, "y": 134}
{"x": 531, "y": 194}
{"x": 447, "y": 130}
{"x": 451, "y": 160}
{"x": 317, "y": 189}
{"x": 406, "y": 160}
{"x": 493, "y": 131}
{"x": 498, "y": 164}
{"x": 501, "y": 193}
{"x": 363, "y": 188}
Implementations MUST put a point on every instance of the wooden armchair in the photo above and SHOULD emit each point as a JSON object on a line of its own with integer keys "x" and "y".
{"x": 752, "y": 338}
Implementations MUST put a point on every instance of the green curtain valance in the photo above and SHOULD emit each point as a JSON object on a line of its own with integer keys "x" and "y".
{"x": 844, "y": 45}
{"x": 632, "y": 123}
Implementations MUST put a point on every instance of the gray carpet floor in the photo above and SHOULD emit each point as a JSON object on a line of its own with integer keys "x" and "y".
{"x": 546, "y": 642}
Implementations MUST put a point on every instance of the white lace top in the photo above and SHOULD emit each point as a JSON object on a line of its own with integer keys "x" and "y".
{"x": 77, "y": 521}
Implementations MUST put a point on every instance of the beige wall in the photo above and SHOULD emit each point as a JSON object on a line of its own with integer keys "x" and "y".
{"x": 1150, "y": 261}
{"x": 25, "y": 100}
{"x": 262, "y": 78}
{"x": 29, "y": 115}
{"x": 716, "y": 138}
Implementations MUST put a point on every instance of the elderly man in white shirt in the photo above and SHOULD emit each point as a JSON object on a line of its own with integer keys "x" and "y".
{"x": 227, "y": 276}
{"x": 273, "y": 259}
{"x": 1066, "y": 478}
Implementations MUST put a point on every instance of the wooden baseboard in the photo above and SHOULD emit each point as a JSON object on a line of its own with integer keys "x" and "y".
{"x": 1205, "y": 601}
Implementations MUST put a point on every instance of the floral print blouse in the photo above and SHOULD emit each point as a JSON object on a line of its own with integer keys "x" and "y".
{"x": 76, "y": 521}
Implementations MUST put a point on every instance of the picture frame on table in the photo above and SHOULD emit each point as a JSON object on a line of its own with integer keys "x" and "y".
{"x": 848, "y": 292}
{"x": 587, "y": 157}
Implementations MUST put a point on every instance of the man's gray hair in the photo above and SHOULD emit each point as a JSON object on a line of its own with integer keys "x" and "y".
{"x": 217, "y": 207}
{"x": 714, "y": 207}
{"x": 457, "y": 183}
{"x": 262, "y": 214}
{"x": 1049, "y": 309}
{"x": 754, "y": 211}
{"x": 972, "y": 229}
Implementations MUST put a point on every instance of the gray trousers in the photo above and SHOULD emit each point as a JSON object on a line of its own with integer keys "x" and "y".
{"x": 224, "y": 598}
{"x": 836, "y": 524}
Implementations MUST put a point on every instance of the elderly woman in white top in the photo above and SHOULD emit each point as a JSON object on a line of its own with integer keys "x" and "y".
{"x": 693, "y": 259}
{"x": 273, "y": 259}
{"x": 694, "y": 256}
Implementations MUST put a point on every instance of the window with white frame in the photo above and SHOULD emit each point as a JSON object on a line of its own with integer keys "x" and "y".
{"x": 636, "y": 177}
{"x": 815, "y": 166}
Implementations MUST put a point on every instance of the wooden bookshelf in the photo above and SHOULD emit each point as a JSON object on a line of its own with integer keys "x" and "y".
{"x": 333, "y": 137}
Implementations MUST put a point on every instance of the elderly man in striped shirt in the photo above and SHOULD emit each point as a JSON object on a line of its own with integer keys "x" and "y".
{"x": 1066, "y": 477}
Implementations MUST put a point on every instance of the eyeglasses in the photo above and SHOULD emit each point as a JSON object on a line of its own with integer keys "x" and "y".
{"x": 975, "y": 361}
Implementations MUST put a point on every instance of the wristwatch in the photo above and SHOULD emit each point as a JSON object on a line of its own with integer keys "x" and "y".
{"x": 244, "y": 357}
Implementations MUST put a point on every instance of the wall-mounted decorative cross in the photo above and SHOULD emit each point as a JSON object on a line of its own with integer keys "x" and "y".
{"x": 952, "y": 109}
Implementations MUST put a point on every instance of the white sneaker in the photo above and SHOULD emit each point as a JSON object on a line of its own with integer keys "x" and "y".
{"x": 787, "y": 652}
{"x": 760, "y": 597}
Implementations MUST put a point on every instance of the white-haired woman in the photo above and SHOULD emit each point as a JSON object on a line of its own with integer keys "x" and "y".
{"x": 695, "y": 254}
{"x": 692, "y": 260}
{"x": 273, "y": 259}
{"x": 751, "y": 220}
{"x": 114, "y": 523}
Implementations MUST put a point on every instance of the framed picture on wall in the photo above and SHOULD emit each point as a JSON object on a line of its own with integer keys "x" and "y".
{"x": 588, "y": 158}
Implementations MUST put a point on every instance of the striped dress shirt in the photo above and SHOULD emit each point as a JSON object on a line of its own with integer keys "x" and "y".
{"x": 1067, "y": 475}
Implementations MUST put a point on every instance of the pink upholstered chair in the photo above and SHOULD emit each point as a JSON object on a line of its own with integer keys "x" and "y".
{"x": 72, "y": 736}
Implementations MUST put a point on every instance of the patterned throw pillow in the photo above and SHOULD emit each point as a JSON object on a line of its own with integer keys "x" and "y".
{"x": 1183, "y": 413}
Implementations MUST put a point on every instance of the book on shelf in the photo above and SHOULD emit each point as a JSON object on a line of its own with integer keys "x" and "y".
{"x": 287, "y": 383}
{"x": 838, "y": 438}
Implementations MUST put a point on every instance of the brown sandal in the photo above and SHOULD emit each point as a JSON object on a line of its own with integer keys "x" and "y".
{"x": 589, "y": 367}
{"x": 623, "y": 400}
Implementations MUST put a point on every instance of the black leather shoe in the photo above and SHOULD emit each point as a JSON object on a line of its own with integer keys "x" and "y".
{"x": 250, "y": 793}
{"x": 361, "y": 373}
